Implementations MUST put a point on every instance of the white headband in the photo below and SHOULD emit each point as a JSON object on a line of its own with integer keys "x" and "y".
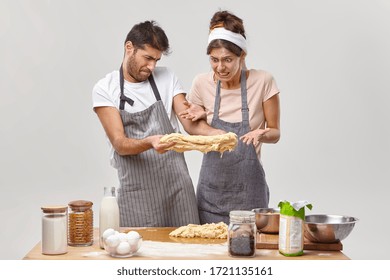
{"x": 222, "y": 33}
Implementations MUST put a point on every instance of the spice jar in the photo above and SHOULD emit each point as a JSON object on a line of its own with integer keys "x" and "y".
{"x": 242, "y": 233}
{"x": 80, "y": 227}
{"x": 54, "y": 230}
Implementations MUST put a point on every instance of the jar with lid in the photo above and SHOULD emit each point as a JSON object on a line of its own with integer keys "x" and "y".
{"x": 54, "y": 230}
{"x": 80, "y": 226}
{"x": 242, "y": 234}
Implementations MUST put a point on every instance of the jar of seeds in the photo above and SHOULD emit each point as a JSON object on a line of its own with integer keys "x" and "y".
{"x": 242, "y": 234}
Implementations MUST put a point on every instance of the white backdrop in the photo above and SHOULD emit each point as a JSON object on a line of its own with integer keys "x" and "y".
{"x": 330, "y": 59}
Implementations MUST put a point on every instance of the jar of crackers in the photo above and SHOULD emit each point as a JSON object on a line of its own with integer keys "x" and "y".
{"x": 80, "y": 223}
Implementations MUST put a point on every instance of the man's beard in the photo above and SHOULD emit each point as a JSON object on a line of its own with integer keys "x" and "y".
{"x": 134, "y": 72}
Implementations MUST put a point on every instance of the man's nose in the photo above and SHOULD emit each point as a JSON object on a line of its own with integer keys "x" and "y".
{"x": 152, "y": 65}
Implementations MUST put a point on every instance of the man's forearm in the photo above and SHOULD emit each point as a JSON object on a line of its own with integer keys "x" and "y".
{"x": 128, "y": 146}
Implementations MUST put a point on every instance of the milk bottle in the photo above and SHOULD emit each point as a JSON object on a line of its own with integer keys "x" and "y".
{"x": 109, "y": 213}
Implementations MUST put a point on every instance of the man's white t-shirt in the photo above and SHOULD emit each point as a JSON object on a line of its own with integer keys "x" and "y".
{"x": 107, "y": 92}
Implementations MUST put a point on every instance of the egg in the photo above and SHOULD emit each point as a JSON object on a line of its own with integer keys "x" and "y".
{"x": 133, "y": 235}
{"x": 107, "y": 233}
{"x": 122, "y": 236}
{"x": 123, "y": 248}
{"x": 110, "y": 250}
{"x": 112, "y": 241}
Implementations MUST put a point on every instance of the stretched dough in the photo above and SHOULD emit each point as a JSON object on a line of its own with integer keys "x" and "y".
{"x": 217, "y": 231}
{"x": 218, "y": 143}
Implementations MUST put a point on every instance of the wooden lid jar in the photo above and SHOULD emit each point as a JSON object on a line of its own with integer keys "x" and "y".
{"x": 80, "y": 223}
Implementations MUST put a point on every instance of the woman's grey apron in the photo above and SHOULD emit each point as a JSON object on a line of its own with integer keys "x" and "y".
{"x": 235, "y": 181}
{"x": 155, "y": 189}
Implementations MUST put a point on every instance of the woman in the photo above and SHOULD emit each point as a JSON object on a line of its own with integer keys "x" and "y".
{"x": 237, "y": 100}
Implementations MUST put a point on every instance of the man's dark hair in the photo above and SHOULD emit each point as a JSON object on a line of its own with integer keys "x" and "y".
{"x": 148, "y": 33}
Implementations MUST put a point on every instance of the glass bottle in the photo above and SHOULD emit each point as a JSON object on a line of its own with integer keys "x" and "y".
{"x": 80, "y": 226}
{"x": 242, "y": 234}
{"x": 108, "y": 214}
{"x": 54, "y": 230}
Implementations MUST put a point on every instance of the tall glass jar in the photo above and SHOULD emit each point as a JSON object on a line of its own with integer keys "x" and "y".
{"x": 242, "y": 234}
{"x": 54, "y": 230}
{"x": 80, "y": 227}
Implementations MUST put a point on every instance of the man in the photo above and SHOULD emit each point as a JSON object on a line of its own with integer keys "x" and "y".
{"x": 136, "y": 106}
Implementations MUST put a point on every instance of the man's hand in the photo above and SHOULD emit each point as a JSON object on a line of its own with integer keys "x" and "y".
{"x": 159, "y": 147}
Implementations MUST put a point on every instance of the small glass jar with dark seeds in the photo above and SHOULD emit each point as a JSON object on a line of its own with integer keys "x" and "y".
{"x": 242, "y": 234}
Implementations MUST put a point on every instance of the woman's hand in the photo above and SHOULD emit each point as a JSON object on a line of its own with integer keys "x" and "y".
{"x": 193, "y": 112}
{"x": 254, "y": 136}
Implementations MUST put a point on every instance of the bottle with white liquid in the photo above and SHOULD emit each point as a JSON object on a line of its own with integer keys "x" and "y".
{"x": 109, "y": 213}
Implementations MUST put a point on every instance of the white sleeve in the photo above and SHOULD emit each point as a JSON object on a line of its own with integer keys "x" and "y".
{"x": 101, "y": 96}
{"x": 177, "y": 86}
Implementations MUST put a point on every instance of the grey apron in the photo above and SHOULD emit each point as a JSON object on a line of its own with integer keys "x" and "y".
{"x": 235, "y": 181}
{"x": 155, "y": 189}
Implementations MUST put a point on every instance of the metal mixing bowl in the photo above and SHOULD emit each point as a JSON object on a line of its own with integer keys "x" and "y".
{"x": 267, "y": 219}
{"x": 322, "y": 228}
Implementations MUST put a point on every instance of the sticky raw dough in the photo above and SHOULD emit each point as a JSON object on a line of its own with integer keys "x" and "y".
{"x": 217, "y": 231}
{"x": 218, "y": 143}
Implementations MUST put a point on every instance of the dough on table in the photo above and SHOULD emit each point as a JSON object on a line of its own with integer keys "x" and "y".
{"x": 218, "y": 143}
{"x": 217, "y": 231}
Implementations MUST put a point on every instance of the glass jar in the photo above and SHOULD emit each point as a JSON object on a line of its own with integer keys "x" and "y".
{"x": 242, "y": 234}
{"x": 54, "y": 230}
{"x": 80, "y": 226}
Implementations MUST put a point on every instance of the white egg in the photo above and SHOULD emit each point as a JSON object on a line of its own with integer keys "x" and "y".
{"x": 122, "y": 236}
{"x": 133, "y": 235}
{"x": 108, "y": 232}
{"x": 132, "y": 242}
{"x": 112, "y": 241}
{"x": 110, "y": 250}
{"x": 123, "y": 248}
{"x": 135, "y": 245}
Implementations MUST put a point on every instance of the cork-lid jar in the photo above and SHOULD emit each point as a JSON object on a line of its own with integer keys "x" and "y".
{"x": 80, "y": 227}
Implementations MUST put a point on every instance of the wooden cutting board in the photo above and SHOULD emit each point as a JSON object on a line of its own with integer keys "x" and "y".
{"x": 270, "y": 241}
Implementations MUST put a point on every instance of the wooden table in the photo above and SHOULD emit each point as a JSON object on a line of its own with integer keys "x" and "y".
{"x": 183, "y": 251}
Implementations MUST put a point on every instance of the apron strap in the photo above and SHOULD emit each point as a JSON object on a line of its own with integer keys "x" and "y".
{"x": 217, "y": 100}
{"x": 124, "y": 99}
{"x": 244, "y": 100}
{"x": 154, "y": 88}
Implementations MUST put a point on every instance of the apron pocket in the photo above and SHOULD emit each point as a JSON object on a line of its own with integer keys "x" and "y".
{"x": 130, "y": 188}
{"x": 220, "y": 199}
{"x": 223, "y": 187}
